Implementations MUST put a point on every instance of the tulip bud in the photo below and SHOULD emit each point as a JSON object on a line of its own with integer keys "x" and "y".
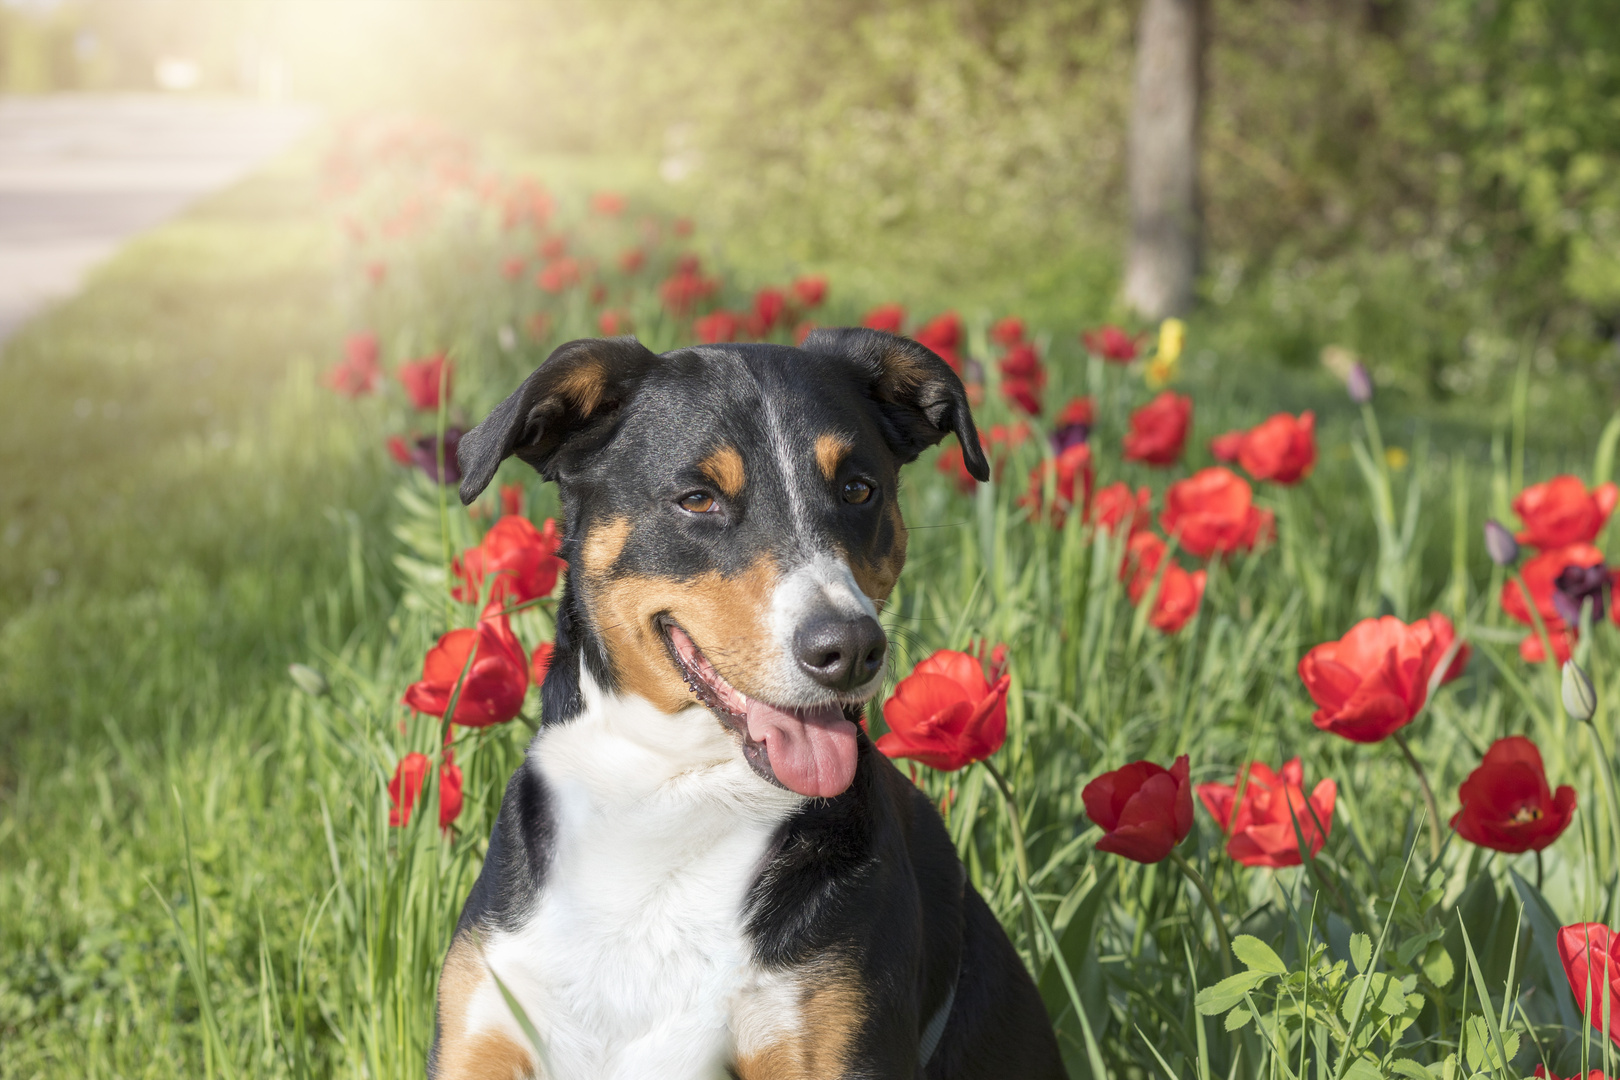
{"x": 308, "y": 680}
{"x": 1503, "y": 549}
{"x": 1580, "y": 699}
{"x": 1359, "y": 383}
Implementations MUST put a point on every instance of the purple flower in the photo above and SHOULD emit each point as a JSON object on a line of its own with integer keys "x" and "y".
{"x": 1503, "y": 549}
{"x": 1574, "y": 586}
{"x": 1360, "y": 384}
{"x": 425, "y": 456}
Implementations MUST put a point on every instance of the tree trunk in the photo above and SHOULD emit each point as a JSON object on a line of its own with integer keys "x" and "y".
{"x": 1166, "y": 218}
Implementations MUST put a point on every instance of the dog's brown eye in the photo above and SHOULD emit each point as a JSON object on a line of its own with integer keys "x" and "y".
{"x": 857, "y": 491}
{"x": 697, "y": 503}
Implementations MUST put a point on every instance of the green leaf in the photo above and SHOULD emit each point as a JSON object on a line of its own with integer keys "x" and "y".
{"x": 1238, "y": 1018}
{"x": 1409, "y": 1068}
{"x": 1363, "y": 1069}
{"x": 1257, "y": 955}
{"x": 1437, "y": 965}
{"x": 1361, "y": 951}
{"x": 1217, "y": 999}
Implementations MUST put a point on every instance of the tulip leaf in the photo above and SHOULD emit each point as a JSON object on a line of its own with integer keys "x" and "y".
{"x": 1257, "y": 956}
{"x": 1214, "y": 1000}
{"x": 1361, "y": 951}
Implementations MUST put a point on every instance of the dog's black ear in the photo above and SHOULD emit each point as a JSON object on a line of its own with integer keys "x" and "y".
{"x": 919, "y": 394}
{"x": 580, "y": 384}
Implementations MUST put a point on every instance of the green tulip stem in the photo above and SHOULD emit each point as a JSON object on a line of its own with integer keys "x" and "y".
{"x": 1538, "y": 869}
{"x": 1428, "y": 797}
{"x": 1209, "y": 901}
{"x": 1020, "y": 852}
{"x": 1607, "y": 769}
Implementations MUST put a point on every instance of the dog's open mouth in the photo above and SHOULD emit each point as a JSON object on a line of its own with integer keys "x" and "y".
{"x": 809, "y": 751}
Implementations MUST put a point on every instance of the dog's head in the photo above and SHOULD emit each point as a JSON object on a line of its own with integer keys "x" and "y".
{"x": 732, "y": 525}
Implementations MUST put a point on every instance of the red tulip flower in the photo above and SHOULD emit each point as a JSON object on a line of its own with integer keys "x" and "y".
{"x": 1022, "y": 377}
{"x": 684, "y": 289}
{"x": 613, "y": 322}
{"x": 495, "y": 683}
{"x": 886, "y": 317}
{"x": 358, "y": 373}
{"x": 512, "y": 267}
{"x": 518, "y": 561}
{"x": 1180, "y": 592}
{"x": 560, "y": 275}
{"x": 540, "y": 662}
{"x": 769, "y": 305}
{"x": 1561, "y": 512}
{"x": 409, "y": 776}
{"x": 631, "y": 260}
{"x": 1213, "y": 511}
{"x": 1591, "y": 956}
{"x": 1374, "y": 680}
{"x": 717, "y": 326}
{"x": 1159, "y": 429}
{"x": 1073, "y": 424}
{"x": 423, "y": 380}
{"x": 810, "y": 290}
{"x": 1073, "y": 484}
{"x": 1143, "y": 809}
{"x": 512, "y": 499}
{"x": 1008, "y": 332}
{"x": 1281, "y": 449}
{"x": 1557, "y": 591}
{"x": 1261, "y": 828}
{"x": 1541, "y": 1073}
{"x": 1116, "y": 507}
{"x": 942, "y": 334}
{"x": 999, "y": 441}
{"x": 946, "y": 714}
{"x": 608, "y": 203}
{"x": 1111, "y": 343}
{"x": 400, "y": 450}
{"x": 1507, "y": 804}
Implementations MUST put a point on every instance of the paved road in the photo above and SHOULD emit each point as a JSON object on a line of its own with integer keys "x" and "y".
{"x": 81, "y": 174}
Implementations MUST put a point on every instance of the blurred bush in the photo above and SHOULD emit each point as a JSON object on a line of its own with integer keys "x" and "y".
{"x": 1434, "y": 184}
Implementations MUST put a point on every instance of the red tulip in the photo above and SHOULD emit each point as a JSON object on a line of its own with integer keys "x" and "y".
{"x": 942, "y": 334}
{"x": 1008, "y": 332}
{"x": 631, "y": 260}
{"x": 769, "y": 304}
{"x": 422, "y": 380}
{"x": 409, "y": 776}
{"x": 810, "y": 290}
{"x": 553, "y": 247}
{"x": 887, "y": 317}
{"x": 1073, "y": 484}
{"x": 495, "y": 683}
{"x": 1159, "y": 429}
{"x": 1111, "y": 343}
{"x": 521, "y": 559}
{"x": 1543, "y": 576}
{"x": 1374, "y": 680}
{"x": 1115, "y": 506}
{"x": 682, "y": 290}
{"x": 1561, "y": 512}
{"x": 1213, "y": 511}
{"x": 717, "y": 326}
{"x": 512, "y": 267}
{"x": 608, "y": 203}
{"x": 1143, "y": 809}
{"x": 682, "y": 227}
{"x": 511, "y": 499}
{"x": 400, "y": 450}
{"x": 1180, "y": 592}
{"x": 540, "y": 662}
{"x": 559, "y": 275}
{"x": 1022, "y": 377}
{"x": 1591, "y": 956}
{"x": 612, "y": 323}
{"x": 945, "y": 714}
{"x": 1507, "y": 804}
{"x": 1541, "y": 1073}
{"x": 1262, "y": 827}
{"x": 1281, "y": 449}
{"x": 358, "y": 373}
{"x": 999, "y": 442}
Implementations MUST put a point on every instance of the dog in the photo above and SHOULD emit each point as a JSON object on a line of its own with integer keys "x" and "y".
{"x": 703, "y": 868}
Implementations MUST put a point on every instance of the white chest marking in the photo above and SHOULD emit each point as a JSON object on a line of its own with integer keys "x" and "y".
{"x": 635, "y": 962}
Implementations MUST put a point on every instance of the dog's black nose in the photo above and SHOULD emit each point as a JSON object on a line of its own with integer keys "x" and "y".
{"x": 841, "y": 653}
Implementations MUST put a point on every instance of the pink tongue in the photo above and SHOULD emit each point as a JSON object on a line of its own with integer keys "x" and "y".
{"x": 812, "y": 753}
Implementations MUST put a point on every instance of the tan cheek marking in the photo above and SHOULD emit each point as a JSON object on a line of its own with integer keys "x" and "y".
{"x": 603, "y": 544}
{"x": 728, "y": 618}
{"x": 831, "y": 1009}
{"x": 830, "y": 453}
{"x": 877, "y": 577}
{"x": 725, "y": 467}
{"x": 488, "y": 1055}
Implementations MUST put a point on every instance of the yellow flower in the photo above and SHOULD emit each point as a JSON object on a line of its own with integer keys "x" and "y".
{"x": 1172, "y": 337}
{"x": 1162, "y": 368}
{"x": 1396, "y": 458}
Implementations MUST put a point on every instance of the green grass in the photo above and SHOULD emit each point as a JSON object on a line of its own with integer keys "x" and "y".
{"x": 196, "y": 872}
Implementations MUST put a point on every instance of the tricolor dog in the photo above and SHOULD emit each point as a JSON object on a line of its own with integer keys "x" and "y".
{"x": 703, "y": 868}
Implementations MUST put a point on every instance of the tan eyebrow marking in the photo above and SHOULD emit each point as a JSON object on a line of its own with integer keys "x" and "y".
{"x": 725, "y": 467}
{"x": 830, "y": 452}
